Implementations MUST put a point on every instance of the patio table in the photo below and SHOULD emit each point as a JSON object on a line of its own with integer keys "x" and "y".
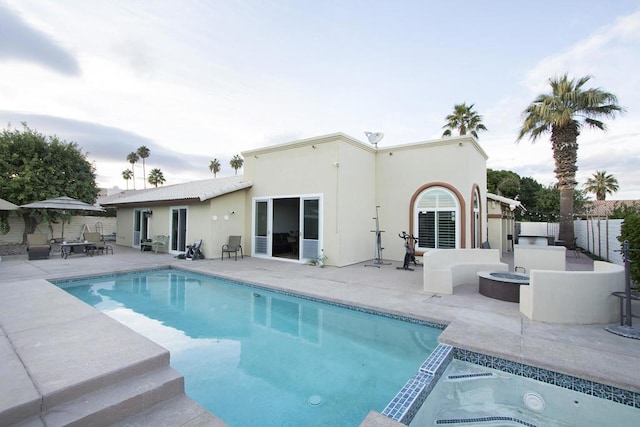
{"x": 67, "y": 248}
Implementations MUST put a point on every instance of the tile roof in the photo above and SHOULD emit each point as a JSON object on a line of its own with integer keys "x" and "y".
{"x": 606, "y": 207}
{"x": 195, "y": 191}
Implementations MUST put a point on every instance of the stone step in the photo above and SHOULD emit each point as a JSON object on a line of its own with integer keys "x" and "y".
{"x": 180, "y": 411}
{"x": 114, "y": 403}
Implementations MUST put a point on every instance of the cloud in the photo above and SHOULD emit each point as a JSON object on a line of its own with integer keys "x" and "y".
{"x": 604, "y": 53}
{"x": 109, "y": 146}
{"x": 19, "y": 41}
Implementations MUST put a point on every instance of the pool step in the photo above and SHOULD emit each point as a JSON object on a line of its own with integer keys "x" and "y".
{"x": 178, "y": 411}
{"x": 72, "y": 365}
{"x": 116, "y": 402}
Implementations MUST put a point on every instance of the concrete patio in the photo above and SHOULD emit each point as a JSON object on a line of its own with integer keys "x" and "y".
{"x": 62, "y": 361}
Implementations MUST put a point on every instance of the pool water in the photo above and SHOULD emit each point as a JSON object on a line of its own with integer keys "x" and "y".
{"x": 257, "y": 357}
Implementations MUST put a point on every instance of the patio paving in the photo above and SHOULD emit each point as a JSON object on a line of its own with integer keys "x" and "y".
{"x": 33, "y": 312}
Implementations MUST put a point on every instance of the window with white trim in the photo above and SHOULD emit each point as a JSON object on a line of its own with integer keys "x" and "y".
{"x": 436, "y": 214}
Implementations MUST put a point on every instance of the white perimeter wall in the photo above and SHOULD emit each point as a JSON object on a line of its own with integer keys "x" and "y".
{"x": 72, "y": 230}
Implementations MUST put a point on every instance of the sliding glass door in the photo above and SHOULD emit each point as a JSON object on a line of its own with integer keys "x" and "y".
{"x": 140, "y": 226}
{"x": 178, "y": 229}
{"x": 287, "y": 227}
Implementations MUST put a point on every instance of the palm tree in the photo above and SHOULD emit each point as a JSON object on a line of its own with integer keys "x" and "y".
{"x": 600, "y": 184}
{"x": 236, "y": 162}
{"x": 156, "y": 177}
{"x": 464, "y": 120}
{"x": 143, "y": 152}
{"x": 127, "y": 174}
{"x": 214, "y": 167}
{"x": 559, "y": 112}
{"x": 132, "y": 158}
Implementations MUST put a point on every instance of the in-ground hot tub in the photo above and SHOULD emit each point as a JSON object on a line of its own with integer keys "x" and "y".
{"x": 502, "y": 285}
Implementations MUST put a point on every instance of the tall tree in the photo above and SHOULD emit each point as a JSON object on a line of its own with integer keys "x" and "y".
{"x": 564, "y": 112}
{"x": 236, "y": 162}
{"x": 503, "y": 183}
{"x": 143, "y": 152}
{"x": 132, "y": 158}
{"x": 36, "y": 167}
{"x": 600, "y": 184}
{"x": 127, "y": 174}
{"x": 214, "y": 167}
{"x": 156, "y": 177}
{"x": 464, "y": 120}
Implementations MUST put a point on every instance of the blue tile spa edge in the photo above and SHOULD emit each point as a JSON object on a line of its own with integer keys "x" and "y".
{"x": 407, "y": 402}
{"x": 591, "y": 388}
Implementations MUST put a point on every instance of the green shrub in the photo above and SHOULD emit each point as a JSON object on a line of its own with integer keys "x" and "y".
{"x": 631, "y": 232}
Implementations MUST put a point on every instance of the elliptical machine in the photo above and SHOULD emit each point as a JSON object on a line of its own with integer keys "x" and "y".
{"x": 410, "y": 251}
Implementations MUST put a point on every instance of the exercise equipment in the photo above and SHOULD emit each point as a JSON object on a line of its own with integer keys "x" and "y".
{"x": 377, "y": 258}
{"x": 410, "y": 251}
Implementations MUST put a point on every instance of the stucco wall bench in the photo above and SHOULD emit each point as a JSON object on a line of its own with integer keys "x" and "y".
{"x": 575, "y": 297}
{"x": 446, "y": 268}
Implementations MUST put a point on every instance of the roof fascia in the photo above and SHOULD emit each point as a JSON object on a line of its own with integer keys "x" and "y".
{"x": 334, "y": 137}
{"x": 453, "y": 140}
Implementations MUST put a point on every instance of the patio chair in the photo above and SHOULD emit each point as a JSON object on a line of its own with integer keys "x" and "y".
{"x": 96, "y": 240}
{"x": 193, "y": 251}
{"x": 232, "y": 246}
{"x": 160, "y": 242}
{"x": 38, "y": 246}
{"x": 574, "y": 247}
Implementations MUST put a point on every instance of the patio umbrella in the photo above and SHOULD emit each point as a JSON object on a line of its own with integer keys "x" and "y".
{"x": 64, "y": 204}
{"x": 7, "y": 206}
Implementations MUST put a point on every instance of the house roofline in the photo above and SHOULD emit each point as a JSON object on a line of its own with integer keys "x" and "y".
{"x": 340, "y": 136}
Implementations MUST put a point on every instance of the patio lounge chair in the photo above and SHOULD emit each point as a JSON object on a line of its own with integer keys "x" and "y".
{"x": 160, "y": 242}
{"x": 96, "y": 240}
{"x": 193, "y": 251}
{"x": 38, "y": 246}
{"x": 232, "y": 246}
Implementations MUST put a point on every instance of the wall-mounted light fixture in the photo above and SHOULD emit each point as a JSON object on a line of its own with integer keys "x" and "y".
{"x": 313, "y": 146}
{"x": 148, "y": 213}
{"x": 232, "y": 212}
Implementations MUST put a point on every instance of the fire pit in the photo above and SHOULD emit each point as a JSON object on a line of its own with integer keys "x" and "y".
{"x": 502, "y": 285}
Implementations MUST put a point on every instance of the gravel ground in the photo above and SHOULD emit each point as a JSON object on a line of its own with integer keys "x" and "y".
{"x": 7, "y": 249}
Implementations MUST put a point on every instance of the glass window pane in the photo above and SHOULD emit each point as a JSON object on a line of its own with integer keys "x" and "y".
{"x": 311, "y": 219}
{"x": 426, "y": 230}
{"x": 446, "y": 230}
{"x": 261, "y": 219}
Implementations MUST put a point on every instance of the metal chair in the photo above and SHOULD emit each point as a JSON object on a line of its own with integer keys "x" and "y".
{"x": 232, "y": 246}
{"x": 574, "y": 247}
{"x": 160, "y": 242}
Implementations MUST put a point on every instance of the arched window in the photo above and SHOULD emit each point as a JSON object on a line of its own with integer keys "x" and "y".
{"x": 436, "y": 223}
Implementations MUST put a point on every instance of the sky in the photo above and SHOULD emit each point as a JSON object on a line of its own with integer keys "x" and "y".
{"x": 198, "y": 80}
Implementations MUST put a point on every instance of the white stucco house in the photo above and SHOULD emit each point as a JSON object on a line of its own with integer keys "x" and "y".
{"x": 323, "y": 194}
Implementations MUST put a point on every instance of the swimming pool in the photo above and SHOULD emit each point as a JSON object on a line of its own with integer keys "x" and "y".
{"x": 253, "y": 356}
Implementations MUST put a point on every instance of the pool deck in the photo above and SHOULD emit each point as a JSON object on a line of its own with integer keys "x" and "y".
{"x": 62, "y": 361}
